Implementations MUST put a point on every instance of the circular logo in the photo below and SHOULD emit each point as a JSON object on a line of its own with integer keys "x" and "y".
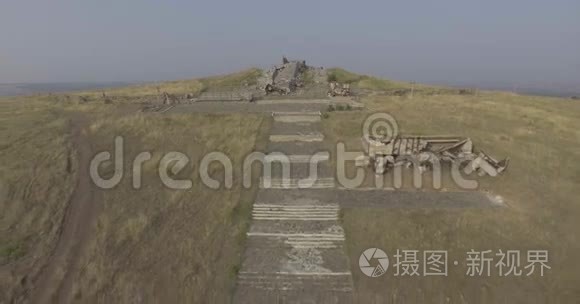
{"x": 381, "y": 125}
{"x": 370, "y": 257}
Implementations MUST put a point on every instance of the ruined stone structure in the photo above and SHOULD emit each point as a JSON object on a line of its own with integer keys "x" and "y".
{"x": 288, "y": 77}
{"x": 284, "y": 78}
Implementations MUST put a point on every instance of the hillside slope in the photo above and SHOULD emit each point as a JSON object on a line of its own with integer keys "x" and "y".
{"x": 184, "y": 246}
{"x": 541, "y": 135}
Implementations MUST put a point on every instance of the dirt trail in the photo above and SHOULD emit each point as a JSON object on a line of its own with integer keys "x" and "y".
{"x": 55, "y": 281}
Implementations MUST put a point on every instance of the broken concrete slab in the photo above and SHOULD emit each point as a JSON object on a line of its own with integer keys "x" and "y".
{"x": 383, "y": 153}
{"x": 311, "y": 137}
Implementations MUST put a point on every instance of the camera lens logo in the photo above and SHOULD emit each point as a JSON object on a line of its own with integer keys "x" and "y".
{"x": 370, "y": 257}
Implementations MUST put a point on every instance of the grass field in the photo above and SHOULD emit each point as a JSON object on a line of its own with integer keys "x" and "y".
{"x": 179, "y": 88}
{"x": 153, "y": 242}
{"x": 34, "y": 187}
{"x": 158, "y": 243}
{"x": 185, "y": 245}
{"x": 542, "y": 137}
{"x": 38, "y": 169}
{"x": 370, "y": 85}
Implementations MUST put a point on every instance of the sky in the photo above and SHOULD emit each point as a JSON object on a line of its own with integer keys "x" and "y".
{"x": 510, "y": 42}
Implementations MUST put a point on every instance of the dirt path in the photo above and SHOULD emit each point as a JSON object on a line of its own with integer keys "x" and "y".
{"x": 55, "y": 281}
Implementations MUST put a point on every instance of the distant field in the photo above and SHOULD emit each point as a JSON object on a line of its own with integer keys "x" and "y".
{"x": 249, "y": 77}
{"x": 365, "y": 83}
{"x": 181, "y": 87}
{"x": 18, "y": 89}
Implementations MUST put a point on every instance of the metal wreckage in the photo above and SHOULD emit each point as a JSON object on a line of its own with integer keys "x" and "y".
{"x": 422, "y": 152}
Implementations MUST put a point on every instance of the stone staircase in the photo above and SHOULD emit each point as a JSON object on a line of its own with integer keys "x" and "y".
{"x": 295, "y": 245}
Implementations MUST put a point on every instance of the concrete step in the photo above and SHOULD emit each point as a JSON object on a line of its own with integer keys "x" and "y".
{"x": 282, "y": 128}
{"x": 297, "y": 169}
{"x": 262, "y": 256}
{"x": 297, "y": 240}
{"x": 305, "y": 137}
{"x": 252, "y": 295}
{"x": 295, "y": 212}
{"x": 298, "y": 196}
{"x": 300, "y": 158}
{"x": 301, "y": 102}
{"x": 297, "y": 117}
{"x": 294, "y": 183}
{"x": 296, "y": 227}
{"x": 297, "y": 147}
{"x": 299, "y": 282}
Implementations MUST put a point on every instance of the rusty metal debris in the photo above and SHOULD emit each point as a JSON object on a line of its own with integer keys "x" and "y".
{"x": 338, "y": 89}
{"x": 423, "y": 151}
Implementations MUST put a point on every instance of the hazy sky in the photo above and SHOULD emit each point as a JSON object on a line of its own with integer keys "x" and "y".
{"x": 444, "y": 41}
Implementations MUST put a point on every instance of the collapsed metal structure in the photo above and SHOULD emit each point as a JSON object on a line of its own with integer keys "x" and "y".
{"x": 423, "y": 151}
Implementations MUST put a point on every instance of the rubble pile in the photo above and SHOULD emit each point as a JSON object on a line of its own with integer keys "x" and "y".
{"x": 288, "y": 77}
{"x": 338, "y": 89}
{"x": 424, "y": 151}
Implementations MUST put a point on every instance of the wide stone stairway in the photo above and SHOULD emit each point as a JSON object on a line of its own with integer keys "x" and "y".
{"x": 295, "y": 245}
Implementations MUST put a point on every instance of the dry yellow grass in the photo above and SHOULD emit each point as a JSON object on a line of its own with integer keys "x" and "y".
{"x": 183, "y": 246}
{"x": 182, "y": 87}
{"x": 542, "y": 137}
{"x": 375, "y": 85}
{"x": 37, "y": 174}
{"x": 180, "y": 246}
{"x": 195, "y": 235}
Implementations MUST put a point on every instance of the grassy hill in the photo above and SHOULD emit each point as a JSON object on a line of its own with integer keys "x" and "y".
{"x": 541, "y": 136}
{"x": 369, "y": 85}
{"x": 184, "y": 246}
{"x": 182, "y": 87}
{"x": 195, "y": 235}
